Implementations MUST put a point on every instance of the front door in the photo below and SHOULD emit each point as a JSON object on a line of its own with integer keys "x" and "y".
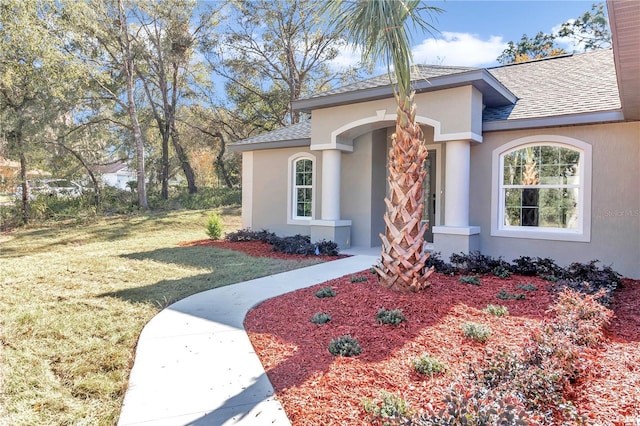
{"x": 429, "y": 213}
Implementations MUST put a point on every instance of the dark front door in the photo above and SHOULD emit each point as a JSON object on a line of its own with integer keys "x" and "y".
{"x": 429, "y": 213}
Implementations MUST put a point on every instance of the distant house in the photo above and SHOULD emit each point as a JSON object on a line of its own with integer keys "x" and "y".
{"x": 10, "y": 174}
{"x": 116, "y": 174}
{"x": 539, "y": 159}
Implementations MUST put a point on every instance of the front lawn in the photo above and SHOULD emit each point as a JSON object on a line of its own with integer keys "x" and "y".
{"x": 75, "y": 298}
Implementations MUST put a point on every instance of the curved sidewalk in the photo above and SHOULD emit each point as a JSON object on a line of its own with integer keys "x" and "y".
{"x": 194, "y": 362}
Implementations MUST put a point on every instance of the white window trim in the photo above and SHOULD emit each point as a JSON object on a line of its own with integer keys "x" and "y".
{"x": 583, "y": 232}
{"x": 292, "y": 219}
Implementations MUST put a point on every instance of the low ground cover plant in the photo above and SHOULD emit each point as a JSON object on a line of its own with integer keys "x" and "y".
{"x": 320, "y": 318}
{"x": 497, "y": 310}
{"x": 389, "y": 410}
{"x": 470, "y": 279}
{"x": 393, "y": 317}
{"x": 475, "y": 331}
{"x": 345, "y": 346}
{"x": 325, "y": 292}
{"x": 295, "y": 244}
{"x": 428, "y": 365}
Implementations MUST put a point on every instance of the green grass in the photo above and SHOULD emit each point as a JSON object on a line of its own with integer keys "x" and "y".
{"x": 75, "y": 299}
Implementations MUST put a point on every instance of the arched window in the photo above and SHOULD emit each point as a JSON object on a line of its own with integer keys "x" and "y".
{"x": 302, "y": 188}
{"x": 541, "y": 189}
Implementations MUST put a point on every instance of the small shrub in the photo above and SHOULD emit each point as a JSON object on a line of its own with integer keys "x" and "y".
{"x": 249, "y": 235}
{"x": 390, "y": 410}
{"x": 434, "y": 261}
{"x": 476, "y": 262}
{"x": 426, "y": 364}
{"x": 345, "y": 346}
{"x": 470, "y": 279}
{"x": 466, "y": 405}
{"x": 327, "y": 248}
{"x": 505, "y": 295}
{"x": 214, "y": 226}
{"x": 478, "y": 332}
{"x": 501, "y": 272}
{"x": 497, "y": 310}
{"x": 527, "y": 287}
{"x": 325, "y": 292}
{"x": 358, "y": 279}
{"x": 320, "y": 318}
{"x": 393, "y": 317}
{"x": 551, "y": 278}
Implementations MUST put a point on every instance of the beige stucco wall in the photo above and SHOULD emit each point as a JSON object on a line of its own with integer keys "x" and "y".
{"x": 363, "y": 188}
{"x": 270, "y": 188}
{"x": 615, "y": 198}
{"x": 456, "y": 111}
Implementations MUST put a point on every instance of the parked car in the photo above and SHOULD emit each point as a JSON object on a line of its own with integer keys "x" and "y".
{"x": 52, "y": 188}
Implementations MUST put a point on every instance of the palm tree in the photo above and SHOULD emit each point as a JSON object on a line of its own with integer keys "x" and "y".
{"x": 379, "y": 28}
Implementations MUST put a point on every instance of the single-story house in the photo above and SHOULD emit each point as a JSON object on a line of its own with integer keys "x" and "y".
{"x": 539, "y": 158}
{"x": 116, "y": 174}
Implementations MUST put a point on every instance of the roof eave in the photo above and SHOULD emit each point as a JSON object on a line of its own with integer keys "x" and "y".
{"x": 494, "y": 92}
{"x": 625, "y": 37}
{"x": 255, "y": 146}
{"x": 599, "y": 117}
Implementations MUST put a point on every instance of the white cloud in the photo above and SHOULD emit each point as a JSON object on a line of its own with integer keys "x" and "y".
{"x": 462, "y": 49}
{"x": 349, "y": 56}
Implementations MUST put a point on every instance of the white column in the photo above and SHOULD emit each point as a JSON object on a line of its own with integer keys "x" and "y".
{"x": 247, "y": 189}
{"x": 331, "y": 160}
{"x": 456, "y": 204}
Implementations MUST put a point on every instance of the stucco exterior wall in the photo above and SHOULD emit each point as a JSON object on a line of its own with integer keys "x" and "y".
{"x": 270, "y": 186}
{"x": 615, "y": 198}
{"x": 363, "y": 188}
{"x": 456, "y": 111}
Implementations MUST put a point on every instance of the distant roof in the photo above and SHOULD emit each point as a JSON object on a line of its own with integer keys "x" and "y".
{"x": 560, "y": 86}
{"x": 111, "y": 167}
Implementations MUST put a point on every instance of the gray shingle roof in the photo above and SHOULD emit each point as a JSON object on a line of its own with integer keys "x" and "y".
{"x": 418, "y": 72}
{"x": 294, "y": 135}
{"x": 565, "y": 85}
{"x": 571, "y": 84}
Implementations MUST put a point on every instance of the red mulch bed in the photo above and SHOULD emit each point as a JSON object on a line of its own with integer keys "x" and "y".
{"x": 317, "y": 388}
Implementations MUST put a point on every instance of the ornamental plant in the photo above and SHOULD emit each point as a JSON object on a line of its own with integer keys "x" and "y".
{"x": 478, "y": 332}
{"x": 393, "y": 317}
{"x": 345, "y": 346}
{"x": 426, "y": 364}
{"x": 214, "y": 226}
{"x": 320, "y": 318}
{"x": 325, "y": 292}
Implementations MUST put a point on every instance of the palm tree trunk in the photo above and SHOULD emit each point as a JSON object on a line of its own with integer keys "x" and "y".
{"x": 402, "y": 267}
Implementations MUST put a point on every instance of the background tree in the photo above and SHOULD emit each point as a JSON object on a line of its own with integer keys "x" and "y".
{"x": 35, "y": 78}
{"x": 273, "y": 53}
{"x": 381, "y": 28}
{"x": 541, "y": 46}
{"x": 169, "y": 39}
{"x": 588, "y": 32}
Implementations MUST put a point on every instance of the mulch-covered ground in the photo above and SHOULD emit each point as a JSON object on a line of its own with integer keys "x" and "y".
{"x": 317, "y": 388}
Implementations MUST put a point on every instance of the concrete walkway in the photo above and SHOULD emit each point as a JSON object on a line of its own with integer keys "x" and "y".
{"x": 195, "y": 364}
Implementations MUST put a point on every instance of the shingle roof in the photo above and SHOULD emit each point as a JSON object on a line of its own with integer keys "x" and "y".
{"x": 418, "y": 72}
{"x": 571, "y": 84}
{"x": 296, "y": 134}
{"x": 557, "y": 86}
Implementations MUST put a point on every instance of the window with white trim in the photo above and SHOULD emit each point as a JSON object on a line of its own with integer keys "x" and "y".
{"x": 542, "y": 190}
{"x": 302, "y": 188}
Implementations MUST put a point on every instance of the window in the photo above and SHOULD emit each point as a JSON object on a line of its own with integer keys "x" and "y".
{"x": 303, "y": 188}
{"x": 541, "y": 189}
{"x": 301, "y": 191}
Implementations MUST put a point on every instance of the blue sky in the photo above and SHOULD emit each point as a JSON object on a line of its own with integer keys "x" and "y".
{"x": 474, "y": 33}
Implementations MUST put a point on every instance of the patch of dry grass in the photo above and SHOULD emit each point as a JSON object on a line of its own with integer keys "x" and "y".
{"x": 75, "y": 299}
